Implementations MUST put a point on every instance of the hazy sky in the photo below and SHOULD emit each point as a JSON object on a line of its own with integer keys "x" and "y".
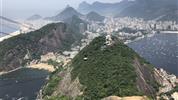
{"x": 26, "y": 8}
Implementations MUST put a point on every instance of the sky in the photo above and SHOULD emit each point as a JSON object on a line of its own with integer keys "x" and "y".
{"x": 25, "y": 8}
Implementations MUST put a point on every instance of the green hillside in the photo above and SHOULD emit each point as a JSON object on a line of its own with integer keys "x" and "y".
{"x": 99, "y": 71}
{"x": 111, "y": 71}
{"x": 55, "y": 37}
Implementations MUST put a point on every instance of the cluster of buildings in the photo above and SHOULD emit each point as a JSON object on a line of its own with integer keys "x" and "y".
{"x": 167, "y": 81}
{"x": 96, "y": 27}
{"x": 76, "y": 48}
{"x": 133, "y": 23}
{"x": 126, "y": 28}
{"x": 141, "y": 24}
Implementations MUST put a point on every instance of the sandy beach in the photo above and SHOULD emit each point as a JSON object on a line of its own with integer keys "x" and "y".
{"x": 127, "y": 98}
{"x": 44, "y": 66}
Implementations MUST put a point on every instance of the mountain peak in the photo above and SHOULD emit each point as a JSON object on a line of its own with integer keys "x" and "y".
{"x": 116, "y": 64}
{"x": 84, "y": 3}
{"x": 34, "y": 17}
{"x": 67, "y": 13}
{"x": 68, "y": 8}
{"x": 96, "y": 2}
{"x": 93, "y": 16}
{"x": 103, "y": 70}
{"x": 92, "y": 12}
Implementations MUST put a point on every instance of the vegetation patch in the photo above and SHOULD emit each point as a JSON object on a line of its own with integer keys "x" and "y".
{"x": 54, "y": 63}
{"x": 52, "y": 84}
{"x": 107, "y": 70}
{"x": 54, "y": 80}
{"x": 55, "y": 37}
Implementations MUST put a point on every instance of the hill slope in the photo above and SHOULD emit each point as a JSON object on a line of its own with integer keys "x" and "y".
{"x": 108, "y": 70}
{"x": 115, "y": 70}
{"x": 54, "y": 37}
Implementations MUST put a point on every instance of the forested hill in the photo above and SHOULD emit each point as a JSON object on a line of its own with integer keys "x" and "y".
{"x": 55, "y": 37}
{"x": 99, "y": 71}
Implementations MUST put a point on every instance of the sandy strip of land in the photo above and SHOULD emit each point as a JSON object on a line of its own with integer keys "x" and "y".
{"x": 1, "y": 73}
{"x": 135, "y": 98}
{"x": 127, "y": 98}
{"x": 6, "y": 72}
{"x": 44, "y": 66}
{"x": 10, "y": 35}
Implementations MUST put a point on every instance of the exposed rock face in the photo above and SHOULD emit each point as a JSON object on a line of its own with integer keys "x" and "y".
{"x": 145, "y": 78}
{"x": 67, "y": 86}
{"x": 55, "y": 37}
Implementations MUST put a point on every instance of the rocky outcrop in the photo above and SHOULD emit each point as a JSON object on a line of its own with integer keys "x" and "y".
{"x": 145, "y": 78}
{"x": 67, "y": 86}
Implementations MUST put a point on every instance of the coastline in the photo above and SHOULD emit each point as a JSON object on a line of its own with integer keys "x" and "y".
{"x": 6, "y": 72}
{"x": 151, "y": 35}
{"x": 41, "y": 66}
{"x": 10, "y": 35}
{"x": 139, "y": 38}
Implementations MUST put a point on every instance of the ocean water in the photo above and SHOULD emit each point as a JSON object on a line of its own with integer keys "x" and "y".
{"x": 160, "y": 50}
{"x": 23, "y": 83}
{"x": 7, "y": 29}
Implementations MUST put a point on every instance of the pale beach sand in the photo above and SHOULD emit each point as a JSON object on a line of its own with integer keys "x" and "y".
{"x": 44, "y": 66}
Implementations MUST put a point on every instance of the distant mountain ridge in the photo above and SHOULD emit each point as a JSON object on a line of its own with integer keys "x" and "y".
{"x": 151, "y": 9}
{"x": 34, "y": 17}
{"x": 68, "y": 12}
{"x": 106, "y": 9}
{"x": 147, "y": 9}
